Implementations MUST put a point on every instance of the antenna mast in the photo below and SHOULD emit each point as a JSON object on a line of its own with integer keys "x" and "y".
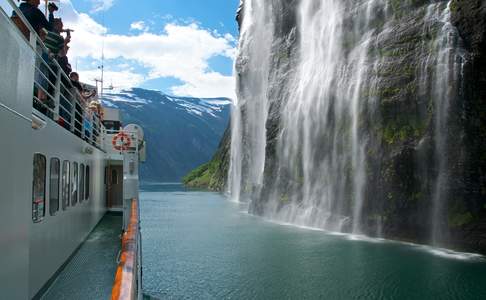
{"x": 102, "y": 58}
{"x": 102, "y": 67}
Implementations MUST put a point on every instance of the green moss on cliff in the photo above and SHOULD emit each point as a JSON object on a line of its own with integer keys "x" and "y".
{"x": 394, "y": 132}
{"x": 199, "y": 176}
{"x": 459, "y": 220}
{"x": 211, "y": 175}
{"x": 205, "y": 176}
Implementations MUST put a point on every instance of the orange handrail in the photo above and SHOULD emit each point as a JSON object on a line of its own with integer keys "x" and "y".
{"x": 125, "y": 285}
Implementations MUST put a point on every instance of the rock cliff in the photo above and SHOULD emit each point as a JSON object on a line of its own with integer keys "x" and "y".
{"x": 372, "y": 116}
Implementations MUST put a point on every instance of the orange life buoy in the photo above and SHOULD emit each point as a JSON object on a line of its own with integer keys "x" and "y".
{"x": 126, "y": 142}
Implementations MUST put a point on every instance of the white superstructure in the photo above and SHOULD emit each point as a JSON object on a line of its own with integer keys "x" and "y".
{"x": 61, "y": 168}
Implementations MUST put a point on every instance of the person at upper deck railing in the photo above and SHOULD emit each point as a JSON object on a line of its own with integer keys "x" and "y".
{"x": 30, "y": 9}
{"x": 75, "y": 82}
{"x": 52, "y": 7}
{"x": 54, "y": 40}
{"x": 42, "y": 75}
{"x": 63, "y": 60}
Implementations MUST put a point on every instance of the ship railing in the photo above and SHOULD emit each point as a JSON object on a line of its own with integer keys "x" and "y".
{"x": 127, "y": 284}
{"x": 53, "y": 94}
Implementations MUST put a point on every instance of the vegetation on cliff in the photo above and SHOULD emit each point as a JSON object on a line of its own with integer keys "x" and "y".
{"x": 211, "y": 175}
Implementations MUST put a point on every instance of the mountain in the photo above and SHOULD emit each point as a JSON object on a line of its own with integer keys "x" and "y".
{"x": 181, "y": 133}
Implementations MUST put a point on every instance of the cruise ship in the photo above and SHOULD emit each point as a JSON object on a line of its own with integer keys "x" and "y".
{"x": 69, "y": 176}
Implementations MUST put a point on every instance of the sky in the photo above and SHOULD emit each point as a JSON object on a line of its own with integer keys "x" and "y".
{"x": 181, "y": 47}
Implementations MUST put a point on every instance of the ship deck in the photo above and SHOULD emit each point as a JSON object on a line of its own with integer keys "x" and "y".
{"x": 91, "y": 271}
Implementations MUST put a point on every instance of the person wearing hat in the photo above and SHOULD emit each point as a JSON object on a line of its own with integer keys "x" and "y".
{"x": 30, "y": 9}
{"x": 52, "y": 7}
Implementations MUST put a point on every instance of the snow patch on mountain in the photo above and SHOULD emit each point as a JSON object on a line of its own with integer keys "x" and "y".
{"x": 182, "y": 132}
{"x": 193, "y": 106}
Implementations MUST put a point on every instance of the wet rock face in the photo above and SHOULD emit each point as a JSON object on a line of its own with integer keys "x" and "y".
{"x": 399, "y": 128}
{"x": 469, "y": 16}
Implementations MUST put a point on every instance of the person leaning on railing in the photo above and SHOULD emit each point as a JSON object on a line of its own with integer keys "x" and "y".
{"x": 41, "y": 25}
{"x": 97, "y": 117}
{"x": 58, "y": 45}
{"x": 30, "y": 9}
{"x": 72, "y": 99}
{"x": 42, "y": 75}
{"x": 75, "y": 83}
{"x": 54, "y": 40}
{"x": 80, "y": 105}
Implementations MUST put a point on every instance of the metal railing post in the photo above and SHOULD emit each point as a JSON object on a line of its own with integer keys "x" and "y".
{"x": 33, "y": 39}
{"x": 83, "y": 134}
{"x": 73, "y": 115}
{"x": 57, "y": 95}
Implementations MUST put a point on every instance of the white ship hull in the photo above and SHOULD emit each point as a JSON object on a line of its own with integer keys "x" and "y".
{"x": 34, "y": 247}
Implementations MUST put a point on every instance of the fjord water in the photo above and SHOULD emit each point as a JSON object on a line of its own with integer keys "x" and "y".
{"x": 200, "y": 245}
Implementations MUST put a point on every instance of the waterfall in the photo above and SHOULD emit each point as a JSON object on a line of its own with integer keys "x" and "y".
{"x": 249, "y": 112}
{"x": 327, "y": 94}
{"x": 322, "y": 147}
{"x": 447, "y": 67}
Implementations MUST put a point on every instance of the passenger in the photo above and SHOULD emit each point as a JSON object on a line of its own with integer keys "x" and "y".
{"x": 41, "y": 60}
{"x": 95, "y": 107}
{"x": 52, "y": 7}
{"x": 30, "y": 9}
{"x": 95, "y": 119}
{"x": 63, "y": 60}
{"x": 80, "y": 101}
{"x": 75, "y": 82}
{"x": 54, "y": 40}
{"x": 43, "y": 102}
{"x": 67, "y": 40}
{"x": 88, "y": 127}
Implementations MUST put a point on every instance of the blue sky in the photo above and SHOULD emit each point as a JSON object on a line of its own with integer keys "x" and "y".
{"x": 182, "y": 47}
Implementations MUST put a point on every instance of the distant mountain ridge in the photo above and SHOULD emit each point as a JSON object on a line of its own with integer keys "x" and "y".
{"x": 181, "y": 132}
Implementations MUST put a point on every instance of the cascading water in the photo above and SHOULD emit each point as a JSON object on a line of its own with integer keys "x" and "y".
{"x": 330, "y": 109}
{"x": 448, "y": 68}
{"x": 249, "y": 137}
{"x": 325, "y": 101}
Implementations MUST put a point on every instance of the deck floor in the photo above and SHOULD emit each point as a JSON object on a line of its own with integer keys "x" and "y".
{"x": 90, "y": 273}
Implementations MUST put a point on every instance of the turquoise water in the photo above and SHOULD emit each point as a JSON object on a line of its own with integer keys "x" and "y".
{"x": 198, "y": 245}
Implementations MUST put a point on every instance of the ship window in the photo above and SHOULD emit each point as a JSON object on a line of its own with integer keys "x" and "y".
{"x": 74, "y": 184}
{"x": 39, "y": 188}
{"x": 65, "y": 184}
{"x": 112, "y": 125}
{"x": 81, "y": 183}
{"x": 54, "y": 186}
{"x": 86, "y": 188}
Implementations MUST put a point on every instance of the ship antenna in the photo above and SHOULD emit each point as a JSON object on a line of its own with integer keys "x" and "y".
{"x": 102, "y": 56}
{"x": 102, "y": 66}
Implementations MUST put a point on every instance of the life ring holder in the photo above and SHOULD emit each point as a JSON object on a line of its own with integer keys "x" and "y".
{"x": 126, "y": 142}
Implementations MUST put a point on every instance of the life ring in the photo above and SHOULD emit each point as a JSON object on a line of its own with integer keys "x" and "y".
{"x": 126, "y": 142}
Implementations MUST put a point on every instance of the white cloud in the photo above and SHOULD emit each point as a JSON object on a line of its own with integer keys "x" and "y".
{"x": 181, "y": 51}
{"x": 120, "y": 79}
{"x": 208, "y": 85}
{"x": 139, "y": 25}
{"x": 101, "y": 5}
